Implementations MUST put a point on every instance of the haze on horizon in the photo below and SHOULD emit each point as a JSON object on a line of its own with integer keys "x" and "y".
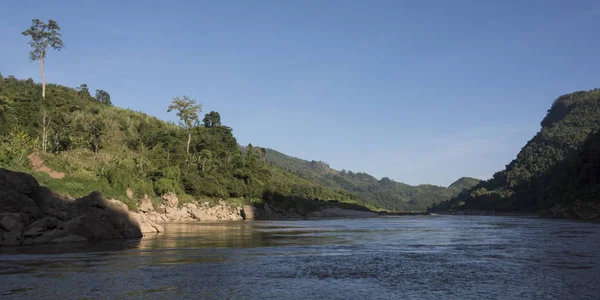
{"x": 418, "y": 92}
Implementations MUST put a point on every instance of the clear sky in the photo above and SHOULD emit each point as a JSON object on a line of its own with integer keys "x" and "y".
{"x": 418, "y": 91}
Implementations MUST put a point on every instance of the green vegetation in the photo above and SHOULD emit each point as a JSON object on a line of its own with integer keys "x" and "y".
{"x": 108, "y": 149}
{"x": 557, "y": 166}
{"x": 384, "y": 193}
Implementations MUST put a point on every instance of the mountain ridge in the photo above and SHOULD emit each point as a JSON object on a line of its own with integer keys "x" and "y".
{"x": 384, "y": 192}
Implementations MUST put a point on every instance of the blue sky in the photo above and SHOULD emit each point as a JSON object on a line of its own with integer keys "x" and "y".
{"x": 418, "y": 91}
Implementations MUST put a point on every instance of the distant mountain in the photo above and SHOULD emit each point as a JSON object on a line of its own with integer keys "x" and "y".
{"x": 464, "y": 183}
{"x": 557, "y": 167}
{"x": 384, "y": 193}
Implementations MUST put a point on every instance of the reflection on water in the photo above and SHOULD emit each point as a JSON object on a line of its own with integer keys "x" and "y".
{"x": 448, "y": 257}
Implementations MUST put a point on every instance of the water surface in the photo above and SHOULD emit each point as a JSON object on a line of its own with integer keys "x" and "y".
{"x": 420, "y": 257}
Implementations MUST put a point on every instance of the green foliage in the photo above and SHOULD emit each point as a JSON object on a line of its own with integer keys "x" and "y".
{"x": 43, "y": 37}
{"x": 103, "y": 97}
{"x": 384, "y": 193}
{"x": 14, "y": 147}
{"x": 212, "y": 119}
{"x": 109, "y": 149}
{"x": 187, "y": 111}
{"x": 554, "y": 167}
{"x": 83, "y": 91}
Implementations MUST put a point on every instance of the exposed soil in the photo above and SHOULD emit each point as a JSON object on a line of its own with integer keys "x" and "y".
{"x": 37, "y": 163}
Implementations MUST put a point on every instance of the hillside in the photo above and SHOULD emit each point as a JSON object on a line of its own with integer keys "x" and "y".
{"x": 555, "y": 167}
{"x": 94, "y": 146}
{"x": 384, "y": 193}
{"x": 463, "y": 183}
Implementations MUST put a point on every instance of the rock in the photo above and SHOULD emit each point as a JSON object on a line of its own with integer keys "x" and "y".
{"x": 122, "y": 206}
{"x": 269, "y": 214}
{"x": 162, "y": 209}
{"x": 11, "y": 222}
{"x": 46, "y": 223}
{"x": 93, "y": 217}
{"x": 145, "y": 224}
{"x": 11, "y": 201}
{"x": 248, "y": 212}
{"x": 171, "y": 199}
{"x": 215, "y": 213}
{"x": 145, "y": 205}
{"x": 11, "y": 239}
{"x": 33, "y": 232}
{"x": 69, "y": 239}
{"x": 54, "y": 236}
{"x": 178, "y": 214}
{"x": 51, "y": 204}
{"x": 22, "y": 183}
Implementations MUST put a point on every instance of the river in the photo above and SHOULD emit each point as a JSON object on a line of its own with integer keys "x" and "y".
{"x": 418, "y": 257}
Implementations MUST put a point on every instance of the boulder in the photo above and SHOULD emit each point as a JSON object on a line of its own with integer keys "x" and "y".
{"x": 22, "y": 183}
{"x": 11, "y": 239}
{"x": 12, "y": 201}
{"x": 171, "y": 199}
{"x": 93, "y": 217}
{"x": 122, "y": 206}
{"x": 12, "y": 222}
{"x": 162, "y": 209}
{"x": 33, "y": 232}
{"x": 145, "y": 205}
{"x": 178, "y": 214}
{"x": 51, "y": 204}
{"x": 47, "y": 223}
{"x": 146, "y": 225}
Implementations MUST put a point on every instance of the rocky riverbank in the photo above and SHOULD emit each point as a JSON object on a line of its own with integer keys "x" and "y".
{"x": 33, "y": 214}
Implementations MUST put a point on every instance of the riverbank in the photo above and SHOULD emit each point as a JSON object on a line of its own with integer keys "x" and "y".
{"x": 33, "y": 214}
{"x": 579, "y": 210}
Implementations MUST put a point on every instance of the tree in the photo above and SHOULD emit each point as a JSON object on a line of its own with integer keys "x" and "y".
{"x": 83, "y": 91}
{"x": 212, "y": 119}
{"x": 43, "y": 38}
{"x": 264, "y": 155}
{"x": 205, "y": 156}
{"x": 103, "y": 97}
{"x": 187, "y": 111}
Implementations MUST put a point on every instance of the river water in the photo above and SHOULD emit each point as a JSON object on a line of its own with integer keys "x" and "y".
{"x": 421, "y": 257}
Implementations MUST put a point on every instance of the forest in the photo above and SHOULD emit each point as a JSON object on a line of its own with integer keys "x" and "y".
{"x": 104, "y": 148}
{"x": 383, "y": 192}
{"x": 557, "y": 167}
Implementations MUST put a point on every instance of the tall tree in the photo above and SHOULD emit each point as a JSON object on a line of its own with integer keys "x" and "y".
{"x": 187, "y": 111}
{"x": 43, "y": 38}
{"x": 212, "y": 119}
{"x": 103, "y": 97}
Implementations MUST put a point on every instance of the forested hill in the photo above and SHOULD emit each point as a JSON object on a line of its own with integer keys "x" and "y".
{"x": 94, "y": 146}
{"x": 385, "y": 193}
{"x": 557, "y": 167}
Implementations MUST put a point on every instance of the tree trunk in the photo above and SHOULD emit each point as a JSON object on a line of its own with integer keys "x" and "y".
{"x": 188, "y": 142}
{"x": 45, "y": 124}
{"x": 41, "y": 62}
